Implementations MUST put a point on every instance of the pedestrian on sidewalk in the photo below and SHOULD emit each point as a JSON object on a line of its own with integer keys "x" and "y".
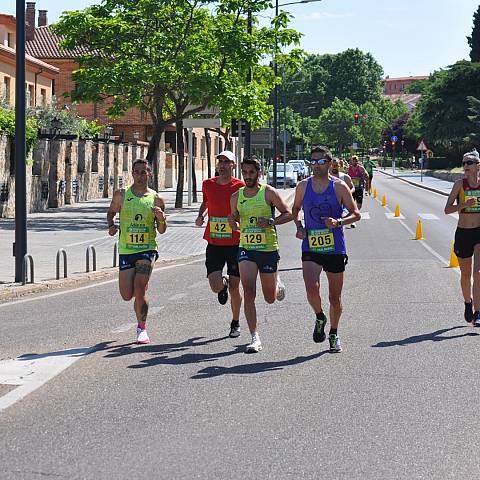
{"x": 142, "y": 215}
{"x": 222, "y": 247}
{"x": 464, "y": 199}
{"x": 254, "y": 207}
{"x": 322, "y": 199}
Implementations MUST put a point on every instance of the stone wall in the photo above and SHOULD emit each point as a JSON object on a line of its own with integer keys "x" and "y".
{"x": 64, "y": 171}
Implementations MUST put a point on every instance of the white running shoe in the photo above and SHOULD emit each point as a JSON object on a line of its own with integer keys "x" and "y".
{"x": 256, "y": 344}
{"x": 281, "y": 290}
{"x": 142, "y": 336}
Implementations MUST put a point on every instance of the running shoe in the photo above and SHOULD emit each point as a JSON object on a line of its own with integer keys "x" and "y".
{"x": 281, "y": 290}
{"x": 234, "y": 329}
{"x": 335, "y": 345}
{"x": 476, "y": 319}
{"x": 142, "y": 336}
{"x": 256, "y": 344}
{"x": 352, "y": 225}
{"x": 468, "y": 315}
{"x": 223, "y": 294}
{"x": 319, "y": 329}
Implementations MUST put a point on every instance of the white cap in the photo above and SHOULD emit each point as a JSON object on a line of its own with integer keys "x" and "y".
{"x": 227, "y": 153}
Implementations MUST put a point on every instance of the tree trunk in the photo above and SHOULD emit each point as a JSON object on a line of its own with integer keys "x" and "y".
{"x": 194, "y": 176}
{"x": 181, "y": 163}
{"x": 152, "y": 156}
{"x": 208, "y": 150}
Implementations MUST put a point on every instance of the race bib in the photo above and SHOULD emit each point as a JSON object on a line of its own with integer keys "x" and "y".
{"x": 220, "y": 228}
{"x": 321, "y": 241}
{"x": 476, "y": 195}
{"x": 254, "y": 238}
{"x": 137, "y": 237}
{"x": 356, "y": 182}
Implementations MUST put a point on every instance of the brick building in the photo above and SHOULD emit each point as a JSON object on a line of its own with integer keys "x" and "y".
{"x": 394, "y": 89}
{"x": 40, "y": 75}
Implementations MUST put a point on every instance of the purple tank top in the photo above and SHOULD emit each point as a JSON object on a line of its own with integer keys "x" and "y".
{"x": 315, "y": 207}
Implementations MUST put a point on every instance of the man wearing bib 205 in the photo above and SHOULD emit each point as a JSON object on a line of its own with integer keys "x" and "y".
{"x": 464, "y": 199}
{"x": 254, "y": 206}
{"x": 323, "y": 199}
{"x": 141, "y": 216}
{"x": 222, "y": 240}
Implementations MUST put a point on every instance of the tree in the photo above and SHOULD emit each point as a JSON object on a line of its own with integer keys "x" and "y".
{"x": 441, "y": 116}
{"x": 172, "y": 59}
{"x": 474, "y": 40}
{"x": 474, "y": 104}
{"x": 322, "y": 78}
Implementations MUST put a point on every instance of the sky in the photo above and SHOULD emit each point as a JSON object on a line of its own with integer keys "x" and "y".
{"x": 406, "y": 37}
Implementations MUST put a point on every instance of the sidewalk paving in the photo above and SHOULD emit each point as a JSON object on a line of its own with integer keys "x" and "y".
{"x": 415, "y": 177}
{"x": 78, "y": 226}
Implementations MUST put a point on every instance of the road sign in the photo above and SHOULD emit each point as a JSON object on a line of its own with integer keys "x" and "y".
{"x": 262, "y": 138}
{"x": 393, "y": 138}
{"x": 422, "y": 146}
{"x": 202, "y": 123}
{"x": 354, "y": 146}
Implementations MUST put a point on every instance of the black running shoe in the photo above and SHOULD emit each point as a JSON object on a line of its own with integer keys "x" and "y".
{"x": 476, "y": 319}
{"x": 468, "y": 315}
{"x": 319, "y": 329}
{"x": 223, "y": 294}
{"x": 234, "y": 329}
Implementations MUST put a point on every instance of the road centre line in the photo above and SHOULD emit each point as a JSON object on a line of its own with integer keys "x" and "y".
{"x": 93, "y": 285}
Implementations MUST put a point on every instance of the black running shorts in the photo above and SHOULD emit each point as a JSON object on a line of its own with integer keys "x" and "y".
{"x": 219, "y": 255}
{"x": 358, "y": 195}
{"x": 465, "y": 241}
{"x": 334, "y": 263}
{"x": 267, "y": 262}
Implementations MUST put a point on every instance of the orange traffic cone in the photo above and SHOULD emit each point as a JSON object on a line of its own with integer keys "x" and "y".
{"x": 384, "y": 201}
{"x": 453, "y": 258}
{"x": 397, "y": 210}
{"x": 419, "y": 232}
{"x": 375, "y": 194}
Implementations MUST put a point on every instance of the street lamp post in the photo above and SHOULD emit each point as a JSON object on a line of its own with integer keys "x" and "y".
{"x": 20, "y": 245}
{"x": 275, "y": 94}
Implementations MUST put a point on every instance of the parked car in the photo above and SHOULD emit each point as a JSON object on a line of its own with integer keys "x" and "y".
{"x": 300, "y": 167}
{"x": 287, "y": 176}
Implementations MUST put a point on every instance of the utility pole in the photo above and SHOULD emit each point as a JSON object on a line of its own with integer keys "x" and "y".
{"x": 248, "y": 130}
{"x": 20, "y": 245}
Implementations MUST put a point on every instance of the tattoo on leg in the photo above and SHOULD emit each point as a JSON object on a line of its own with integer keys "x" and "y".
{"x": 143, "y": 269}
{"x": 144, "y": 312}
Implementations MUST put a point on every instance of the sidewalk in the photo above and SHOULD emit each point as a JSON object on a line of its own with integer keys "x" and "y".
{"x": 79, "y": 226}
{"x": 414, "y": 177}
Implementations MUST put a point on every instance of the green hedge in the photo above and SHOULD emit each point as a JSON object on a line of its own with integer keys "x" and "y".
{"x": 7, "y": 127}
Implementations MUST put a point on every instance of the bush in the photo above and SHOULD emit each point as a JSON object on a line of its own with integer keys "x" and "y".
{"x": 7, "y": 127}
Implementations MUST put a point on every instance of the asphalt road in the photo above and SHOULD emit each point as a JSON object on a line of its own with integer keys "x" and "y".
{"x": 398, "y": 403}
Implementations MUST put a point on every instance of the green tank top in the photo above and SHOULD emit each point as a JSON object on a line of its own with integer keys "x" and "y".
{"x": 250, "y": 209}
{"x": 137, "y": 224}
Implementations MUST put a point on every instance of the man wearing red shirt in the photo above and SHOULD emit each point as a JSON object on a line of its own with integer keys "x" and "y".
{"x": 222, "y": 240}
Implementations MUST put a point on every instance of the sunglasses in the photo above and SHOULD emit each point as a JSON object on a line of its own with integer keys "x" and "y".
{"x": 320, "y": 161}
{"x": 469, "y": 162}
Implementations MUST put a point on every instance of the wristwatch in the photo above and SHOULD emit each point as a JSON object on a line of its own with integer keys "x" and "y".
{"x": 271, "y": 221}
{"x": 339, "y": 222}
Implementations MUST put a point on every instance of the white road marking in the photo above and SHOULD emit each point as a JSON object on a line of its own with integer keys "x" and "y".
{"x": 428, "y": 216}
{"x": 123, "y": 328}
{"x": 92, "y": 240}
{"x": 30, "y": 372}
{"x": 86, "y": 287}
{"x": 177, "y": 296}
{"x": 391, "y": 216}
{"x": 365, "y": 215}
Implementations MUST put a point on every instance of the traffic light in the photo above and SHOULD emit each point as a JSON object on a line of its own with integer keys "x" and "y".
{"x": 234, "y": 127}
{"x": 356, "y": 116}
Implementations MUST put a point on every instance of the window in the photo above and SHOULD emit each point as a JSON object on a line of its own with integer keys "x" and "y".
{"x": 6, "y": 89}
{"x": 30, "y": 96}
{"x": 10, "y": 40}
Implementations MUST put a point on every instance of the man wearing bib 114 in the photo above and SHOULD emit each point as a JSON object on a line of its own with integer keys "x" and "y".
{"x": 141, "y": 216}
{"x": 254, "y": 206}
{"x": 322, "y": 199}
{"x": 465, "y": 199}
{"x": 222, "y": 240}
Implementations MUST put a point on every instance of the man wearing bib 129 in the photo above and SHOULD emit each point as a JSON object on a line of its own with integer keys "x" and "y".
{"x": 141, "y": 216}
{"x": 464, "y": 199}
{"x": 254, "y": 206}
{"x": 323, "y": 199}
{"x": 222, "y": 240}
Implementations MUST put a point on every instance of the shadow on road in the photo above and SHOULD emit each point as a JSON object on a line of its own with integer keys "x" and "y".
{"x": 426, "y": 337}
{"x": 249, "y": 368}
